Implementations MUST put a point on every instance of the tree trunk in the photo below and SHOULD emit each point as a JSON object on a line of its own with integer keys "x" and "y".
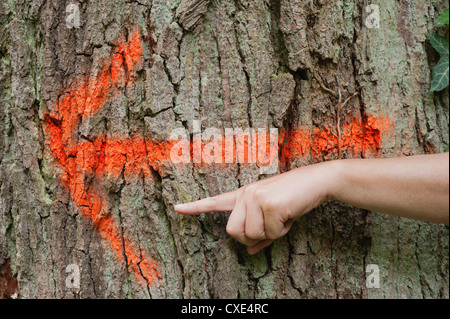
{"x": 86, "y": 115}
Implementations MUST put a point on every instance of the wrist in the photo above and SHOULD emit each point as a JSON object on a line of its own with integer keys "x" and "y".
{"x": 335, "y": 179}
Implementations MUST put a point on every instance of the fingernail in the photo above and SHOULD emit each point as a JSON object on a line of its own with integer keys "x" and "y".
{"x": 180, "y": 206}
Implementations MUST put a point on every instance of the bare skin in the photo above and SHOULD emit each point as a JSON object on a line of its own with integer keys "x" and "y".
{"x": 415, "y": 187}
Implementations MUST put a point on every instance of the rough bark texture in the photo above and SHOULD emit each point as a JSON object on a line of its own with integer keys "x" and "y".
{"x": 230, "y": 64}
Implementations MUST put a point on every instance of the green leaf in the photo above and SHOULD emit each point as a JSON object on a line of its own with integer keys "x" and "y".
{"x": 438, "y": 43}
{"x": 441, "y": 70}
{"x": 447, "y": 149}
{"x": 440, "y": 74}
{"x": 443, "y": 18}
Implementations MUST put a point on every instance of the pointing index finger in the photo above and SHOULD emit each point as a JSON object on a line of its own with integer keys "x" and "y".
{"x": 220, "y": 203}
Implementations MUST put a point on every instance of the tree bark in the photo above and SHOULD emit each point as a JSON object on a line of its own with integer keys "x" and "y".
{"x": 85, "y": 119}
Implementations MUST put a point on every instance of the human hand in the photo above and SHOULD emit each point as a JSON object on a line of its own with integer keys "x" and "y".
{"x": 265, "y": 211}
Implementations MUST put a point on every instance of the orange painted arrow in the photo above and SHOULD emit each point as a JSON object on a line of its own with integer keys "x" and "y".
{"x": 79, "y": 160}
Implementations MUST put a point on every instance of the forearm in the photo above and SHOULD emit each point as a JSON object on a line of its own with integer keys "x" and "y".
{"x": 415, "y": 187}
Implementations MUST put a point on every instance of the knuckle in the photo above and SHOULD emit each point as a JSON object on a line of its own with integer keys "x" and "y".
{"x": 212, "y": 202}
{"x": 232, "y": 231}
{"x": 260, "y": 195}
{"x": 255, "y": 192}
{"x": 214, "y": 199}
{"x": 250, "y": 190}
{"x": 270, "y": 204}
{"x": 255, "y": 234}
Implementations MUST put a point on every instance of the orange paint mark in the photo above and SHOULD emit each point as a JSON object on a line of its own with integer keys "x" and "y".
{"x": 359, "y": 138}
{"x": 81, "y": 161}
